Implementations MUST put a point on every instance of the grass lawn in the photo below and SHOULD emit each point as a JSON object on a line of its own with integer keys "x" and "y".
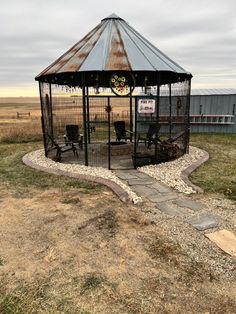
{"x": 218, "y": 174}
{"x": 13, "y": 172}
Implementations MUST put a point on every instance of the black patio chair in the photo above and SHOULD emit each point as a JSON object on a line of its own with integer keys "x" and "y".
{"x": 62, "y": 148}
{"x": 73, "y": 135}
{"x": 176, "y": 137}
{"x": 121, "y": 132}
{"x": 150, "y": 137}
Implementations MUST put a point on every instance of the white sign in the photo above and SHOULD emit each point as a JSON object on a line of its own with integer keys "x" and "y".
{"x": 146, "y": 105}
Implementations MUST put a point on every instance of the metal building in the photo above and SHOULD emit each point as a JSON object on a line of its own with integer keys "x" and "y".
{"x": 213, "y": 110}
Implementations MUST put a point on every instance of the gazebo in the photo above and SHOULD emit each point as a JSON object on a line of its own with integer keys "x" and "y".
{"x": 114, "y": 100}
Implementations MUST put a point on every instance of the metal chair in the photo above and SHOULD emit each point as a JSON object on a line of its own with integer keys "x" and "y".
{"x": 73, "y": 135}
{"x": 121, "y": 132}
{"x": 62, "y": 148}
{"x": 150, "y": 137}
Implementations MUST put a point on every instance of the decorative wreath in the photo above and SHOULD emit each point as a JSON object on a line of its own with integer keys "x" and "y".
{"x": 122, "y": 84}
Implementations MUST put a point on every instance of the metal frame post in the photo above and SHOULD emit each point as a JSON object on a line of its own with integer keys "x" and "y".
{"x": 50, "y": 109}
{"x": 42, "y": 120}
{"x": 170, "y": 111}
{"x": 188, "y": 113}
{"x": 157, "y": 112}
{"x": 135, "y": 130}
{"x": 88, "y": 115}
{"x": 130, "y": 116}
{"x": 109, "y": 132}
{"x": 85, "y": 123}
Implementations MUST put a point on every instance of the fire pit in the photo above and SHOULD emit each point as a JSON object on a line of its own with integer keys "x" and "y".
{"x": 117, "y": 148}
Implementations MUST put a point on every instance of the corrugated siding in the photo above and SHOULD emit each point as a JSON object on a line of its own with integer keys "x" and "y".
{"x": 213, "y": 105}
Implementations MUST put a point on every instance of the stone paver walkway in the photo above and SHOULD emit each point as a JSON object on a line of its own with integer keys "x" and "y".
{"x": 174, "y": 204}
{"x": 167, "y": 201}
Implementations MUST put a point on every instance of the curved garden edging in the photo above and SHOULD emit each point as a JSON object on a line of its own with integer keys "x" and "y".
{"x": 38, "y": 161}
{"x": 187, "y": 171}
{"x": 119, "y": 191}
{"x": 175, "y": 173}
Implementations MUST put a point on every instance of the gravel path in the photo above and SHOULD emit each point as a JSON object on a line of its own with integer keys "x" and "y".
{"x": 170, "y": 172}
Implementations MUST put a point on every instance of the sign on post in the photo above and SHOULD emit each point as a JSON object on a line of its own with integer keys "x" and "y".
{"x": 146, "y": 106}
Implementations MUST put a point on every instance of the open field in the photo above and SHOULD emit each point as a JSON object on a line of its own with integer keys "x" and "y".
{"x": 10, "y": 106}
{"x": 73, "y": 247}
{"x": 20, "y": 119}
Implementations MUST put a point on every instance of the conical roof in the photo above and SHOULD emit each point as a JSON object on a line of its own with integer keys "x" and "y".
{"x": 113, "y": 45}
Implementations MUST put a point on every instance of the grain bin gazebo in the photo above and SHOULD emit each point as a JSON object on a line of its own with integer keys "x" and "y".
{"x": 125, "y": 101}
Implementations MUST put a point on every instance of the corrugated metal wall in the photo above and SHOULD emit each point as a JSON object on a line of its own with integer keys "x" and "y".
{"x": 213, "y": 105}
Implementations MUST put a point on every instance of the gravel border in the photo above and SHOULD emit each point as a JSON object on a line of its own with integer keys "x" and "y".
{"x": 37, "y": 160}
{"x": 175, "y": 173}
{"x": 187, "y": 171}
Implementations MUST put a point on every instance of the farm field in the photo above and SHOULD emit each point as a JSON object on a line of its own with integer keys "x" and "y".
{"x": 20, "y": 119}
{"x": 9, "y": 107}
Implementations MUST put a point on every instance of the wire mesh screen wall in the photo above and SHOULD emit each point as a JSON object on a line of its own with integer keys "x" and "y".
{"x": 162, "y": 124}
{"x": 174, "y": 118}
{"x": 100, "y": 129}
{"x": 97, "y": 130}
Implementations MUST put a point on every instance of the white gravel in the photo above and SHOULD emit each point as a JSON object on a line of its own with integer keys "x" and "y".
{"x": 170, "y": 172}
{"x": 37, "y": 157}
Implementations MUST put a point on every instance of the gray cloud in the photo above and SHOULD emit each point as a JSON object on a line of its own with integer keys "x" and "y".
{"x": 199, "y": 35}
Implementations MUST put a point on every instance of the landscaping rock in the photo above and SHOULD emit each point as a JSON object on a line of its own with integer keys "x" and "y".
{"x": 140, "y": 181}
{"x": 161, "y": 187}
{"x": 144, "y": 190}
{"x": 125, "y": 176}
{"x": 195, "y": 206}
{"x": 203, "y": 221}
{"x": 168, "y": 210}
{"x": 158, "y": 197}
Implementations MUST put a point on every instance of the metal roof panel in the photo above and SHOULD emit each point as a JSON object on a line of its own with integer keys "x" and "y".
{"x": 216, "y": 91}
{"x": 113, "y": 45}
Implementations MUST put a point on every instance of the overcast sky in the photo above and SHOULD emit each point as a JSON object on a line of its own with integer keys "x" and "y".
{"x": 199, "y": 35}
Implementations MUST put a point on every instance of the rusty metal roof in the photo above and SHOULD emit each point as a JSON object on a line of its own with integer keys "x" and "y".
{"x": 113, "y": 45}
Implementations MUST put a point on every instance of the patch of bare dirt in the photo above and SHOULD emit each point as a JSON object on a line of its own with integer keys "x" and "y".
{"x": 76, "y": 252}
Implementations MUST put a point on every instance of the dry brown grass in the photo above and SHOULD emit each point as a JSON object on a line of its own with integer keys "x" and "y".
{"x": 97, "y": 256}
{"x": 25, "y": 128}
{"x": 21, "y": 131}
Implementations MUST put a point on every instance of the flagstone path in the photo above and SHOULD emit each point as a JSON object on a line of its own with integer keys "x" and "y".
{"x": 171, "y": 203}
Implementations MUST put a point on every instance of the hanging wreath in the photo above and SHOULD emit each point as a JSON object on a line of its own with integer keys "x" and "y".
{"x": 122, "y": 84}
